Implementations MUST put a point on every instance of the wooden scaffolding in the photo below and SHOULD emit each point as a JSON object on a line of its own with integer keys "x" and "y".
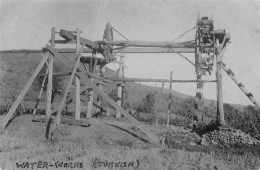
{"x": 209, "y": 46}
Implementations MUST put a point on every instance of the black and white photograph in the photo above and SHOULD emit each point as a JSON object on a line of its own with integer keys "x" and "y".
{"x": 130, "y": 84}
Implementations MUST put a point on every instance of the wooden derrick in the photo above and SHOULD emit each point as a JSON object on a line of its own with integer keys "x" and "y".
{"x": 10, "y": 113}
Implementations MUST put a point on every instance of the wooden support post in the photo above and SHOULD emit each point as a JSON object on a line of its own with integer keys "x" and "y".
{"x": 50, "y": 75}
{"x": 169, "y": 101}
{"x": 119, "y": 87}
{"x": 40, "y": 94}
{"x": 153, "y": 138}
{"x": 60, "y": 107}
{"x": 10, "y": 113}
{"x": 162, "y": 85}
{"x": 91, "y": 93}
{"x": 108, "y": 114}
{"x": 100, "y": 85}
{"x": 77, "y": 109}
{"x": 220, "y": 108}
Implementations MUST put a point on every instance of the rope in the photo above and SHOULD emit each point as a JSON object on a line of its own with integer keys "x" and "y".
{"x": 119, "y": 33}
{"x": 184, "y": 33}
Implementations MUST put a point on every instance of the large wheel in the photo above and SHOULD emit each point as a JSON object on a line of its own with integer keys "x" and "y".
{"x": 108, "y": 36}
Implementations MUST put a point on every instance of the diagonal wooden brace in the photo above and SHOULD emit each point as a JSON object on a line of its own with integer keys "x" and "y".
{"x": 10, "y": 113}
{"x": 152, "y": 137}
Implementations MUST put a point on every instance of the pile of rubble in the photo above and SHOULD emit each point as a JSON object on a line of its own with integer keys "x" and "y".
{"x": 228, "y": 136}
{"x": 212, "y": 136}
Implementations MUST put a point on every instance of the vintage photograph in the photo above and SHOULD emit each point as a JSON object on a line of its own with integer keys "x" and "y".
{"x": 129, "y": 84}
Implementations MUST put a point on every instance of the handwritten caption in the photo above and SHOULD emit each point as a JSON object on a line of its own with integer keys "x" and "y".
{"x": 96, "y": 163}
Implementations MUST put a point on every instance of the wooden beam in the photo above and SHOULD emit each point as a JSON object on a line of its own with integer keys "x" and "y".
{"x": 10, "y": 113}
{"x": 159, "y": 80}
{"x": 57, "y": 74}
{"x": 125, "y": 50}
{"x": 91, "y": 92}
{"x": 77, "y": 109}
{"x": 50, "y": 72}
{"x": 64, "y": 121}
{"x": 57, "y": 119}
{"x": 220, "y": 107}
{"x": 170, "y": 44}
{"x": 92, "y": 45}
{"x": 100, "y": 85}
{"x": 119, "y": 86}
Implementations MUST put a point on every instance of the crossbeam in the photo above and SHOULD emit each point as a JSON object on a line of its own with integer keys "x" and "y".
{"x": 126, "y": 50}
{"x": 169, "y": 44}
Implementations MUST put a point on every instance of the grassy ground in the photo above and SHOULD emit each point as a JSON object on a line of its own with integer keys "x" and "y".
{"x": 24, "y": 140}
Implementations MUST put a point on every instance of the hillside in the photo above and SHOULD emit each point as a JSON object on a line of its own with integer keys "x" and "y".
{"x": 111, "y": 140}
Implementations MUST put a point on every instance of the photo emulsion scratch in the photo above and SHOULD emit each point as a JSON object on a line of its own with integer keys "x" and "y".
{"x": 120, "y": 84}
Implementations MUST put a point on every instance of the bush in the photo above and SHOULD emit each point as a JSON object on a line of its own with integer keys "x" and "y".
{"x": 247, "y": 121}
{"x": 147, "y": 104}
{"x": 113, "y": 95}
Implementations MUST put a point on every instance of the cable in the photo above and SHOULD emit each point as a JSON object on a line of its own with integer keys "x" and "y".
{"x": 119, "y": 33}
{"x": 184, "y": 33}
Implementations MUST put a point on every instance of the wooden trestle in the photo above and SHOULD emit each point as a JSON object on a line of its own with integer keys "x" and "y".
{"x": 208, "y": 47}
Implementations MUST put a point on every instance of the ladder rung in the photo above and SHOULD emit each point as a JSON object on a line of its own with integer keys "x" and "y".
{"x": 230, "y": 72}
{"x": 240, "y": 85}
{"x": 249, "y": 95}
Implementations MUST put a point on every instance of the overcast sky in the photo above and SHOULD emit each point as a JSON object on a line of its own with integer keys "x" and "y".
{"x": 27, "y": 24}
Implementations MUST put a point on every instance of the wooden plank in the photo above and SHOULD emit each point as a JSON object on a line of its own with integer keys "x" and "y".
{"x": 169, "y": 102}
{"x": 64, "y": 120}
{"x": 10, "y": 113}
{"x": 77, "y": 108}
{"x": 220, "y": 107}
{"x": 40, "y": 93}
{"x": 153, "y": 138}
{"x": 57, "y": 119}
{"x": 50, "y": 72}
